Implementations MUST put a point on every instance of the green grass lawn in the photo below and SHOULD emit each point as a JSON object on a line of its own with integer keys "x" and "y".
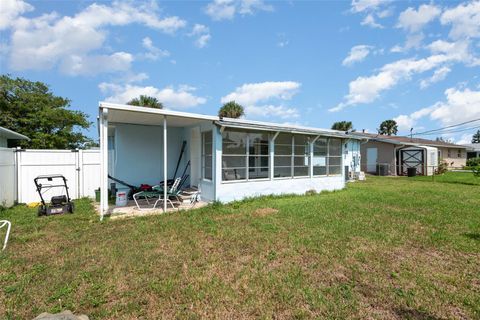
{"x": 386, "y": 248}
{"x": 452, "y": 177}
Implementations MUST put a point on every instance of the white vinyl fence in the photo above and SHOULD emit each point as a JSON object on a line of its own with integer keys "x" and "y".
{"x": 81, "y": 168}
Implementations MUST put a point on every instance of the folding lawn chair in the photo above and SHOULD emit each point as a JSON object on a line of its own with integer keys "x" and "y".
{"x": 156, "y": 193}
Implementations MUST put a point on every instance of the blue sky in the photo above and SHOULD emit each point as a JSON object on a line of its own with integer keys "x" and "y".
{"x": 306, "y": 63}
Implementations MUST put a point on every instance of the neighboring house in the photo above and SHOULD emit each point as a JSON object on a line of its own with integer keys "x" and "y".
{"x": 227, "y": 159}
{"x": 9, "y": 137}
{"x": 392, "y": 155}
{"x": 473, "y": 150}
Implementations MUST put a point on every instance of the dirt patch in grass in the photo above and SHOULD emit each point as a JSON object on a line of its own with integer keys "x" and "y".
{"x": 263, "y": 212}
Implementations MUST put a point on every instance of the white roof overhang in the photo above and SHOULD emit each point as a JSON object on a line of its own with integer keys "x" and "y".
{"x": 118, "y": 113}
{"x": 9, "y": 134}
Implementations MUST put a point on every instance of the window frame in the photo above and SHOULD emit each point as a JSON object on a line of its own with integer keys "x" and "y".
{"x": 340, "y": 156}
{"x": 204, "y": 154}
{"x": 247, "y": 156}
{"x": 293, "y": 156}
{"x": 328, "y": 156}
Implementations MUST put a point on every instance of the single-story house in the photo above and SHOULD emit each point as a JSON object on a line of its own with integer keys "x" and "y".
{"x": 226, "y": 159}
{"x": 473, "y": 150}
{"x": 393, "y": 155}
{"x": 8, "y": 137}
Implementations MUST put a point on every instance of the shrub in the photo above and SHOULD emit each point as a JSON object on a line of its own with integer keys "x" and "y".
{"x": 310, "y": 192}
{"x": 476, "y": 171}
{"x": 442, "y": 167}
{"x": 473, "y": 162}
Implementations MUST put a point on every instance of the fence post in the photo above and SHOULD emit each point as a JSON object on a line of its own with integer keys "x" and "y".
{"x": 18, "y": 173}
{"x": 80, "y": 174}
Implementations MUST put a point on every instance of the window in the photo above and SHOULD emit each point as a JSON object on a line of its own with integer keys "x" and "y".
{"x": 283, "y": 156}
{"x": 459, "y": 153}
{"x": 207, "y": 150}
{"x": 245, "y": 155}
{"x": 320, "y": 152}
{"x": 258, "y": 156}
{"x": 292, "y": 155}
{"x": 449, "y": 153}
{"x": 301, "y": 160}
{"x": 334, "y": 156}
{"x": 327, "y": 157}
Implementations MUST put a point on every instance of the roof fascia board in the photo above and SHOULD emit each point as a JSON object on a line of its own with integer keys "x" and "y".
{"x": 162, "y": 112}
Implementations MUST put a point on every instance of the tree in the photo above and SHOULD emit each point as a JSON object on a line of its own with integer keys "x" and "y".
{"x": 342, "y": 126}
{"x": 231, "y": 110}
{"x": 476, "y": 137}
{"x": 388, "y": 127}
{"x": 30, "y": 108}
{"x": 146, "y": 101}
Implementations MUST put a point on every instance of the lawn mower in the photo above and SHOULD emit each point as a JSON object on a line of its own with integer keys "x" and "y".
{"x": 58, "y": 204}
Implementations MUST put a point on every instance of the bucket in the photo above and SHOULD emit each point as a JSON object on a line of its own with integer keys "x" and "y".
{"x": 121, "y": 200}
{"x": 411, "y": 172}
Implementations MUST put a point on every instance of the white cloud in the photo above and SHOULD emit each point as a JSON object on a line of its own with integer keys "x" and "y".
{"x": 251, "y": 6}
{"x": 134, "y": 77}
{"x": 50, "y": 40}
{"x": 221, "y": 9}
{"x": 252, "y": 93}
{"x": 281, "y": 112}
{"x": 367, "y": 5}
{"x": 369, "y": 21}
{"x": 10, "y": 10}
{"x": 464, "y": 19}
{"x": 256, "y": 97}
{"x": 413, "y": 41}
{"x": 202, "y": 34}
{"x": 227, "y": 9}
{"x": 153, "y": 53}
{"x": 414, "y": 20}
{"x": 439, "y": 75}
{"x": 357, "y": 54}
{"x": 405, "y": 122}
{"x": 75, "y": 65}
{"x": 465, "y": 139}
{"x": 461, "y": 105}
{"x": 171, "y": 97}
{"x": 199, "y": 29}
{"x": 367, "y": 89}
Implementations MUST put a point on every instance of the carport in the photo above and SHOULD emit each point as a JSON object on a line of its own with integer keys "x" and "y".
{"x": 142, "y": 145}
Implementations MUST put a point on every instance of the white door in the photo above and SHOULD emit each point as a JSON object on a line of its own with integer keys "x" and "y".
{"x": 195, "y": 156}
{"x": 372, "y": 154}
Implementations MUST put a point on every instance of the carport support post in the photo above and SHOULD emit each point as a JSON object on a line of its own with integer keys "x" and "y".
{"x": 165, "y": 185}
{"x": 104, "y": 162}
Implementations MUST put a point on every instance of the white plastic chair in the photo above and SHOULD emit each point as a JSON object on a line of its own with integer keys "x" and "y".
{"x": 4, "y": 223}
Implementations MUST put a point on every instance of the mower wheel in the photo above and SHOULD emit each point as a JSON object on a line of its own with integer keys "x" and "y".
{"x": 41, "y": 211}
{"x": 70, "y": 207}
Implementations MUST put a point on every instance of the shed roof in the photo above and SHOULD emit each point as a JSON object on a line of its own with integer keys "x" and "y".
{"x": 120, "y": 113}
{"x": 402, "y": 140}
{"x": 10, "y": 134}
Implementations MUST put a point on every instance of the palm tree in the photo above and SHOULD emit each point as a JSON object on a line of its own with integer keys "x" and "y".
{"x": 146, "y": 101}
{"x": 342, "y": 126}
{"x": 388, "y": 127}
{"x": 231, "y": 110}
